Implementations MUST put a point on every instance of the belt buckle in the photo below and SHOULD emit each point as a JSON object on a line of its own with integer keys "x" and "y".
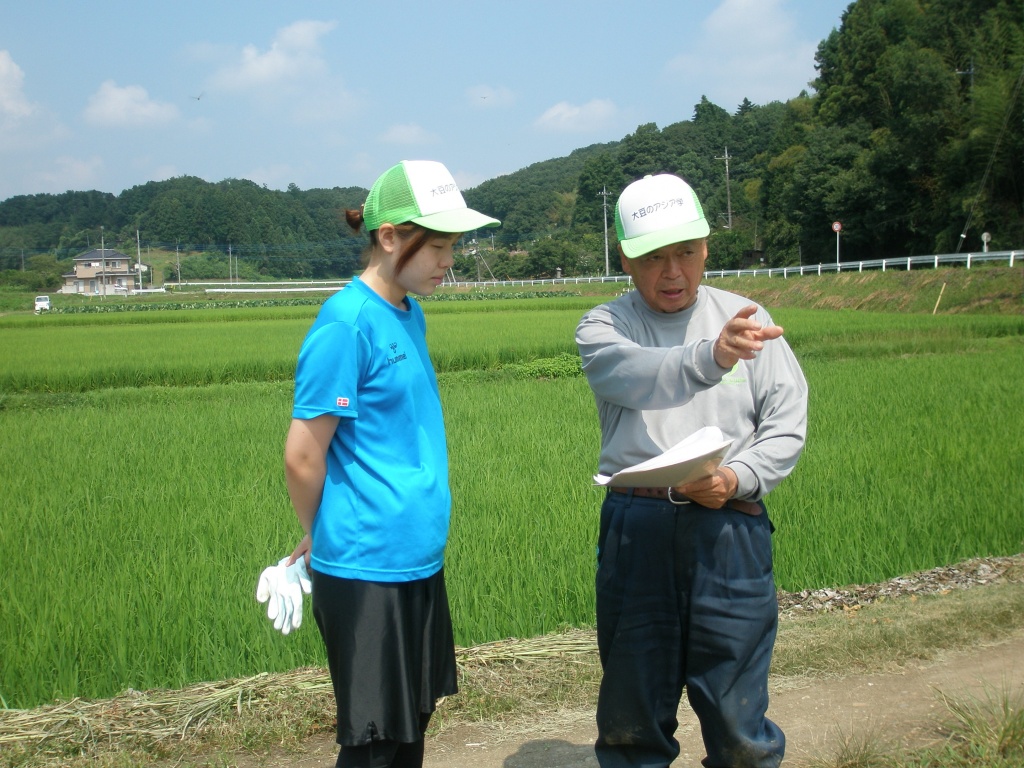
{"x": 681, "y": 503}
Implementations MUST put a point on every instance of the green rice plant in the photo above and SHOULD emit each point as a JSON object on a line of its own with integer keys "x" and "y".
{"x": 85, "y": 356}
{"x": 911, "y": 461}
{"x": 139, "y": 521}
{"x": 468, "y": 341}
{"x": 521, "y": 557}
{"x": 136, "y": 519}
{"x": 80, "y": 358}
{"x": 134, "y": 528}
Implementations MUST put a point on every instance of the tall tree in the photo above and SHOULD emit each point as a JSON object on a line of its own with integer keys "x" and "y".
{"x": 599, "y": 184}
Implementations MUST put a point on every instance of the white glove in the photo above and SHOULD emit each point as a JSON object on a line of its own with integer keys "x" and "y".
{"x": 282, "y": 587}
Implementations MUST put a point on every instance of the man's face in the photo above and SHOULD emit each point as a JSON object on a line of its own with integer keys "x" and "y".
{"x": 667, "y": 278}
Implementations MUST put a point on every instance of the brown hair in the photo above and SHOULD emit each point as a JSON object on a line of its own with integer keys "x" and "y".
{"x": 412, "y": 235}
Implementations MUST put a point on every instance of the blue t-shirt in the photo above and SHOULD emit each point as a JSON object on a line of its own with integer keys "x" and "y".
{"x": 386, "y": 502}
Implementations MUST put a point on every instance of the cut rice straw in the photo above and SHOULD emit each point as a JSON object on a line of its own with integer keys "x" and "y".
{"x": 151, "y": 717}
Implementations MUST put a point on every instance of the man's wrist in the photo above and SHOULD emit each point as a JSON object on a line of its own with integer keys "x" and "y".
{"x": 732, "y": 482}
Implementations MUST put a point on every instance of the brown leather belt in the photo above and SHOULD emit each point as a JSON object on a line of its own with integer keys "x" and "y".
{"x": 746, "y": 507}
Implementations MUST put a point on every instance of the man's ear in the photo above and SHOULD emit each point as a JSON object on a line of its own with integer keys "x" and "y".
{"x": 627, "y": 267}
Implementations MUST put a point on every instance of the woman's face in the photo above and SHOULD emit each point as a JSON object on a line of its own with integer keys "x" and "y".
{"x": 426, "y": 269}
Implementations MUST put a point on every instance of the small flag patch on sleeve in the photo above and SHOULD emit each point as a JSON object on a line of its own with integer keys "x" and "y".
{"x": 343, "y": 402}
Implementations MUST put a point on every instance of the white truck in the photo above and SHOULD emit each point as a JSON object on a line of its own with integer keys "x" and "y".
{"x": 42, "y": 304}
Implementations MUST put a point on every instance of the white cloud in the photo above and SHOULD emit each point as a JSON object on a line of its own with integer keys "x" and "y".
{"x": 24, "y": 125}
{"x": 762, "y": 69}
{"x": 294, "y": 53}
{"x": 570, "y": 118}
{"x": 488, "y": 97}
{"x": 290, "y": 81}
{"x": 408, "y": 134}
{"x": 13, "y": 104}
{"x": 130, "y": 106}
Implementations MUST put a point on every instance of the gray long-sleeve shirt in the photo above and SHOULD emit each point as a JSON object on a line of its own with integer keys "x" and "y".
{"x": 656, "y": 382}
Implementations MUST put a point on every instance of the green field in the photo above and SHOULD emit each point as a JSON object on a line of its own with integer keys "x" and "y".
{"x": 144, "y": 490}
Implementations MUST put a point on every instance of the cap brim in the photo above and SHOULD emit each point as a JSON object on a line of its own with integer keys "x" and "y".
{"x": 635, "y": 247}
{"x": 456, "y": 220}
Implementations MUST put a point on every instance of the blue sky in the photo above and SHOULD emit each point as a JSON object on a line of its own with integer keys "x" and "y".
{"x": 110, "y": 94}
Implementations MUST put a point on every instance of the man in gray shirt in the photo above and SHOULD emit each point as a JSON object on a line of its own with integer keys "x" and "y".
{"x": 685, "y": 591}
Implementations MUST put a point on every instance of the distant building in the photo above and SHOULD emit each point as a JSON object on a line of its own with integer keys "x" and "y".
{"x": 103, "y": 272}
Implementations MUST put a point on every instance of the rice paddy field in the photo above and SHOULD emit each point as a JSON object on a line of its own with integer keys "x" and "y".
{"x": 143, "y": 488}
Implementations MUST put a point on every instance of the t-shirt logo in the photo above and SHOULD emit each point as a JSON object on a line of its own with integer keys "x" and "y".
{"x": 395, "y": 358}
{"x": 343, "y": 402}
{"x": 735, "y": 376}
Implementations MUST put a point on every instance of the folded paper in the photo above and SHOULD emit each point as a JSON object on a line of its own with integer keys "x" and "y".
{"x": 695, "y": 457}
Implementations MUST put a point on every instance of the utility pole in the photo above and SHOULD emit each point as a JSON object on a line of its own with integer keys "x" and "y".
{"x": 138, "y": 261}
{"x": 728, "y": 193}
{"x": 229, "y": 264}
{"x": 177, "y": 261}
{"x": 103, "y": 263}
{"x": 604, "y": 204}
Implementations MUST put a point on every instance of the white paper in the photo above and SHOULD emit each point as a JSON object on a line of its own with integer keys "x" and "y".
{"x": 693, "y": 458}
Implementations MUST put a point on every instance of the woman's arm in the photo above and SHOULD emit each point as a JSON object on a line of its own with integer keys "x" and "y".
{"x": 305, "y": 464}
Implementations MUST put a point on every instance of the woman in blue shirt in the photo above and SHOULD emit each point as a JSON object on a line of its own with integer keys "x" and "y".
{"x": 367, "y": 470}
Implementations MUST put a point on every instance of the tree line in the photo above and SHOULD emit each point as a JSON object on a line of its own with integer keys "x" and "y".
{"x": 912, "y": 139}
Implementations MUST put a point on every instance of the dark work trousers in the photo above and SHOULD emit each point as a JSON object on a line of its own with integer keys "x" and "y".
{"x": 685, "y": 597}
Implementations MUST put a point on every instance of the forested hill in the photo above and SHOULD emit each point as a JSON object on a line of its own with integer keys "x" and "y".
{"x": 912, "y": 138}
{"x": 296, "y": 232}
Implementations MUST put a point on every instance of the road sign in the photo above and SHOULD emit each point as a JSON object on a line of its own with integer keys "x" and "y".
{"x": 836, "y": 226}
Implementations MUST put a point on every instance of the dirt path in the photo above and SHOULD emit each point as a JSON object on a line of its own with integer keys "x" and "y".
{"x": 902, "y": 708}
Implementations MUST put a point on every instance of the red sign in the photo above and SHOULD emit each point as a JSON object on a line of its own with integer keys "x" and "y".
{"x": 836, "y": 226}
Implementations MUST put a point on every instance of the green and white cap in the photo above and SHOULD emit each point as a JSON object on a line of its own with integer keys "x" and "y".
{"x": 423, "y": 192}
{"x": 657, "y": 211}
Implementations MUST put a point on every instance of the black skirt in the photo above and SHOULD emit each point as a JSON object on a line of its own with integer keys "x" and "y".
{"x": 391, "y": 653}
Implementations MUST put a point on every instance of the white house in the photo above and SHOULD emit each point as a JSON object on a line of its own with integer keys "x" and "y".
{"x": 103, "y": 272}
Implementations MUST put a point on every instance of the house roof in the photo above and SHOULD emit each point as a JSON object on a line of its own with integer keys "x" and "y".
{"x": 105, "y": 253}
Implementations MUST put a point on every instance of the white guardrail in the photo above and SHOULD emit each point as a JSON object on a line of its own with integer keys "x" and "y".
{"x": 900, "y": 262}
